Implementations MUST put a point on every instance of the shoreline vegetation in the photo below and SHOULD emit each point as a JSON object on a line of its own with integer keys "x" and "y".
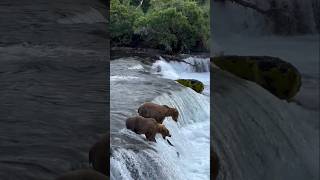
{"x": 170, "y": 26}
{"x": 151, "y": 55}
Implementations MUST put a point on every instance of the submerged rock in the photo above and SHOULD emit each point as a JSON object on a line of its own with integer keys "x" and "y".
{"x": 275, "y": 75}
{"x": 192, "y": 83}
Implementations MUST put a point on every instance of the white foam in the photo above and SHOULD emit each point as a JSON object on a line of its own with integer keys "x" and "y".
{"x": 165, "y": 69}
{"x": 190, "y": 136}
{"x": 136, "y": 67}
{"x": 189, "y": 159}
{"x": 122, "y": 78}
{"x": 192, "y": 68}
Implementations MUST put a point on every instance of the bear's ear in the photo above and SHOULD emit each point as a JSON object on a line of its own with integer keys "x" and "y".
{"x": 166, "y": 106}
{"x": 176, "y": 111}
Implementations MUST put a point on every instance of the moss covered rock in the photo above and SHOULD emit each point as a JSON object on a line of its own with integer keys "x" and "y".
{"x": 192, "y": 83}
{"x": 277, "y": 76}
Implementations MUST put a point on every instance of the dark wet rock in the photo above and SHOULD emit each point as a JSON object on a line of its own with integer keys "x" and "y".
{"x": 192, "y": 83}
{"x": 277, "y": 76}
{"x": 83, "y": 174}
{"x": 150, "y": 55}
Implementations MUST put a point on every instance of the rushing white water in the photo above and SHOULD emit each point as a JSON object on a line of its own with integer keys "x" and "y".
{"x": 123, "y": 78}
{"x": 191, "y": 68}
{"x": 260, "y": 136}
{"x": 137, "y": 67}
{"x": 190, "y": 137}
{"x": 193, "y": 129}
{"x": 189, "y": 158}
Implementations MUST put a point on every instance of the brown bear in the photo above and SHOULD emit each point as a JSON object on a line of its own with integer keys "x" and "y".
{"x": 214, "y": 165}
{"x": 147, "y": 126}
{"x": 158, "y": 112}
{"x": 83, "y": 174}
{"x": 98, "y": 155}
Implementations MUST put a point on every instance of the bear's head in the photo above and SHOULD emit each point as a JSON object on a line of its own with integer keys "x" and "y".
{"x": 164, "y": 131}
{"x": 173, "y": 112}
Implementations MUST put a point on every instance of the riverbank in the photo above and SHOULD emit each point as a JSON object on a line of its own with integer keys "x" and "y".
{"x": 151, "y": 55}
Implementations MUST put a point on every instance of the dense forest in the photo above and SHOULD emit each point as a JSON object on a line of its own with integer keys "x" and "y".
{"x": 176, "y": 26}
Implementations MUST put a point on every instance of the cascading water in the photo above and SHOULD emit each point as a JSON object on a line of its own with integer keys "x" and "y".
{"x": 189, "y": 68}
{"x": 258, "y": 136}
{"x": 135, "y": 158}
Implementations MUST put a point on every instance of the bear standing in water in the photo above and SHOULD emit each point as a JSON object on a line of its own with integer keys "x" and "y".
{"x": 147, "y": 126}
{"x": 158, "y": 112}
{"x": 98, "y": 154}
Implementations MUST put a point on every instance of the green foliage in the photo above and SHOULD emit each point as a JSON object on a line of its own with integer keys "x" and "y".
{"x": 278, "y": 77}
{"x": 122, "y": 17}
{"x": 192, "y": 83}
{"x": 171, "y": 25}
{"x": 144, "y": 6}
{"x": 168, "y": 27}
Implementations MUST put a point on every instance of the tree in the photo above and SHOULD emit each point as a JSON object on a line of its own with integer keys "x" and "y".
{"x": 122, "y": 17}
{"x": 177, "y": 25}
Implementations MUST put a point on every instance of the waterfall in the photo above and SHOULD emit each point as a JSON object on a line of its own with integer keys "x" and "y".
{"x": 258, "y": 136}
{"x": 164, "y": 161}
{"x": 188, "y": 159}
{"x": 187, "y": 65}
{"x": 189, "y": 68}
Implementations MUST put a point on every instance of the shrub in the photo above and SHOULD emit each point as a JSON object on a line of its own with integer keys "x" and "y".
{"x": 122, "y": 17}
{"x": 172, "y": 25}
{"x": 177, "y": 25}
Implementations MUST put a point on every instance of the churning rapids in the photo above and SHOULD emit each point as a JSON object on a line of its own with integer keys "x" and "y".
{"x": 133, "y": 83}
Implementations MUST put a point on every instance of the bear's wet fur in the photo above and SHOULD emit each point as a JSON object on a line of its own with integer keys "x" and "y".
{"x": 158, "y": 112}
{"x": 147, "y": 126}
{"x": 214, "y": 165}
{"x": 98, "y": 155}
{"x": 83, "y": 174}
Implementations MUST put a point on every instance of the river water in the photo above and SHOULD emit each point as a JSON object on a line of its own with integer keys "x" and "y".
{"x": 258, "y": 136}
{"x": 53, "y": 62}
{"x": 132, "y": 83}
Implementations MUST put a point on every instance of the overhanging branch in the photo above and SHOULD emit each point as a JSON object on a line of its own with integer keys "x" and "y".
{"x": 250, "y": 5}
